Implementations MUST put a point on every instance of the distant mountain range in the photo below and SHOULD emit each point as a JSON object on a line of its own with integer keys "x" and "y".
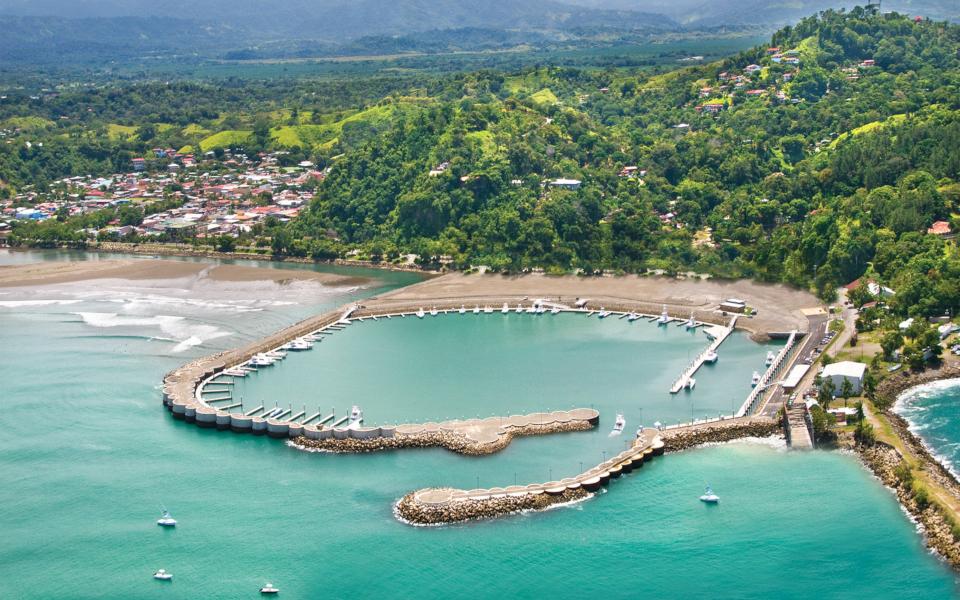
{"x": 96, "y": 30}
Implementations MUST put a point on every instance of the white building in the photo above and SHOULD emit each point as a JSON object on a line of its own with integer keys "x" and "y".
{"x": 851, "y": 371}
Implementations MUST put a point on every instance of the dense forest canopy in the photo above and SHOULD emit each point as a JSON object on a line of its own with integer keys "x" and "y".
{"x": 816, "y": 159}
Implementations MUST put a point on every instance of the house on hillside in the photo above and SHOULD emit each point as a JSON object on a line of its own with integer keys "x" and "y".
{"x": 139, "y": 164}
{"x": 566, "y": 184}
{"x": 941, "y": 228}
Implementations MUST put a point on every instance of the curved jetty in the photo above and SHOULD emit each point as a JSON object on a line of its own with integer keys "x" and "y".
{"x": 473, "y": 437}
{"x": 439, "y": 506}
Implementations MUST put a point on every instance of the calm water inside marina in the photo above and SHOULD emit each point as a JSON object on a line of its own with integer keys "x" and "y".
{"x": 88, "y": 456}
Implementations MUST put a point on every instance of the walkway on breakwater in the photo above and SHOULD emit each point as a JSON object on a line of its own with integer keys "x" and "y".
{"x": 778, "y": 366}
{"x": 433, "y": 506}
{"x": 798, "y": 426}
{"x": 719, "y": 335}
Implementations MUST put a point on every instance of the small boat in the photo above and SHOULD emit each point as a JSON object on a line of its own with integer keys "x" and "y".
{"x": 633, "y": 316}
{"x": 755, "y": 380}
{"x": 356, "y": 414}
{"x": 710, "y": 357}
{"x": 433, "y": 311}
{"x": 664, "y": 318}
{"x": 770, "y": 358}
{"x": 476, "y": 310}
{"x": 487, "y": 310}
{"x": 261, "y": 360}
{"x": 618, "y": 425}
{"x": 709, "y": 497}
{"x": 269, "y": 589}
{"x": 162, "y": 575}
{"x": 166, "y": 520}
{"x": 463, "y": 309}
{"x": 541, "y": 309}
{"x": 690, "y": 384}
{"x": 505, "y": 308}
{"x": 532, "y": 309}
{"x": 236, "y": 372}
{"x": 603, "y": 314}
{"x": 298, "y": 345}
{"x": 420, "y": 314}
{"x": 555, "y": 310}
{"x": 691, "y": 323}
{"x": 519, "y": 309}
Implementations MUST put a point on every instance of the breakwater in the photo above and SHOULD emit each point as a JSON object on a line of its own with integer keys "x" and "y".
{"x": 437, "y": 506}
{"x": 473, "y": 437}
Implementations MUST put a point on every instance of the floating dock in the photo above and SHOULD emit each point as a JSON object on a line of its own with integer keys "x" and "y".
{"x": 718, "y": 333}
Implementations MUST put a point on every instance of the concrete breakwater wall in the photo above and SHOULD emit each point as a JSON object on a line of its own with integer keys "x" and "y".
{"x": 676, "y": 440}
{"x": 436, "y": 506}
{"x": 451, "y": 438}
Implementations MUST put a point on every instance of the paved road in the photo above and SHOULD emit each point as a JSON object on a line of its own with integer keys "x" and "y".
{"x": 815, "y": 333}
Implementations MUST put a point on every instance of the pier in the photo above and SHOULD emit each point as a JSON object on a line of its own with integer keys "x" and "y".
{"x": 766, "y": 380}
{"x": 719, "y": 334}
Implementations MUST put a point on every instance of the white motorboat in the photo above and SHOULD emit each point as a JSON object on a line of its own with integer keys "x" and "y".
{"x": 356, "y": 414}
{"x": 690, "y": 384}
{"x": 710, "y": 357}
{"x": 555, "y": 310}
{"x": 531, "y": 309}
{"x": 166, "y": 520}
{"x": 463, "y": 309}
{"x": 476, "y": 310}
{"x": 236, "y": 372}
{"x": 434, "y": 312}
{"x": 664, "y": 318}
{"x": 709, "y": 497}
{"x": 770, "y": 358}
{"x": 261, "y": 360}
{"x": 298, "y": 345}
{"x": 162, "y": 575}
{"x": 618, "y": 425}
{"x": 755, "y": 380}
{"x": 691, "y": 323}
{"x": 541, "y": 309}
{"x": 603, "y": 314}
{"x": 505, "y": 308}
{"x": 269, "y": 589}
{"x": 519, "y": 309}
{"x": 487, "y": 310}
{"x": 420, "y": 314}
{"x": 275, "y": 354}
{"x": 633, "y": 316}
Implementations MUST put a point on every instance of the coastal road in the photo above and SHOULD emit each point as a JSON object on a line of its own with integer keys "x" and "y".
{"x": 815, "y": 333}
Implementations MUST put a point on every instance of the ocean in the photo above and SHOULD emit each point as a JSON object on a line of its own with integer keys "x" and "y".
{"x": 88, "y": 456}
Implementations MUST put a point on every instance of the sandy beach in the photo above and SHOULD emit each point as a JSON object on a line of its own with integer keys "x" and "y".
{"x": 779, "y": 307}
{"x": 48, "y": 273}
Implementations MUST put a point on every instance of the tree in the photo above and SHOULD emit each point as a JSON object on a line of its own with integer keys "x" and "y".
{"x": 869, "y": 385}
{"x": 846, "y": 390}
{"x": 825, "y": 395}
{"x": 891, "y": 342}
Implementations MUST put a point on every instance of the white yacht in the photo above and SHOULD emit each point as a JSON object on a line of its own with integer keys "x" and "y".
{"x": 433, "y": 311}
{"x": 261, "y": 360}
{"x": 770, "y": 358}
{"x": 664, "y": 318}
{"x": 519, "y": 309}
{"x": 420, "y": 314}
{"x": 356, "y": 414}
{"x": 709, "y": 497}
{"x": 162, "y": 575}
{"x": 476, "y": 310}
{"x": 555, "y": 310}
{"x": 277, "y": 354}
{"x": 633, "y": 316}
{"x": 691, "y": 323}
{"x": 487, "y": 310}
{"x": 235, "y": 372}
{"x": 505, "y": 308}
{"x": 269, "y": 589}
{"x": 755, "y": 380}
{"x": 690, "y": 384}
{"x": 618, "y": 425}
{"x": 166, "y": 520}
{"x": 710, "y": 357}
{"x": 603, "y": 314}
{"x": 463, "y": 309}
{"x": 298, "y": 345}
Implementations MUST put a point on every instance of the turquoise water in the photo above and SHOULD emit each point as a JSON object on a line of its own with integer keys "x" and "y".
{"x": 933, "y": 411}
{"x": 87, "y": 456}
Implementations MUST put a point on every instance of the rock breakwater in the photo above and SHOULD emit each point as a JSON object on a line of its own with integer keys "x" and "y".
{"x": 720, "y": 431}
{"x": 410, "y": 510}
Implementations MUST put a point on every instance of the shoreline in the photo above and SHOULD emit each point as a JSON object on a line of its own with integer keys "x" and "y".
{"x": 936, "y": 509}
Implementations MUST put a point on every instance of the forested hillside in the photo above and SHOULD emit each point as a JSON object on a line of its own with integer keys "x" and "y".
{"x": 816, "y": 159}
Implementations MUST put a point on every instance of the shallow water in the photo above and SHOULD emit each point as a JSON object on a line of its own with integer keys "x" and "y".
{"x": 88, "y": 455}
